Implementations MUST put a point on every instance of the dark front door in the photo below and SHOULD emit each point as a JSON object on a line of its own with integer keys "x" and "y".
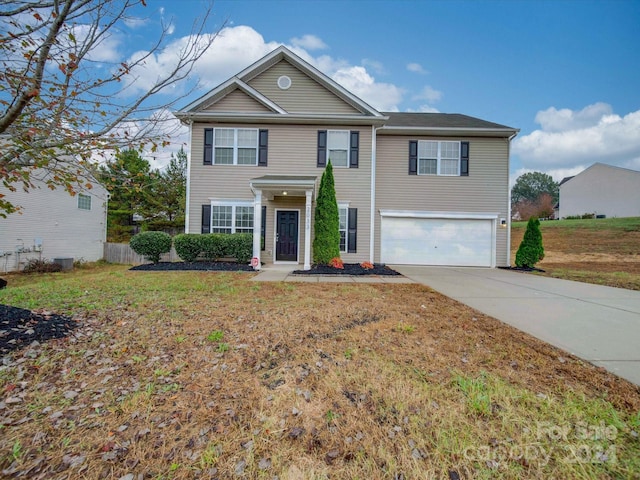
{"x": 287, "y": 236}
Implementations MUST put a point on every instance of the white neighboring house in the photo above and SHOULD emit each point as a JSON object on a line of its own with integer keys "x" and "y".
{"x": 603, "y": 190}
{"x": 53, "y": 224}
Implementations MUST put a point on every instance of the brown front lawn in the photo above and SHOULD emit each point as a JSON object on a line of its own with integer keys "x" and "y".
{"x": 209, "y": 375}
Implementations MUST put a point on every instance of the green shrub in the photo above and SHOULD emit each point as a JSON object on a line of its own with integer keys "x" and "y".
{"x": 240, "y": 246}
{"x": 213, "y": 245}
{"x": 326, "y": 241}
{"x": 188, "y": 246}
{"x": 151, "y": 244}
{"x": 36, "y": 265}
{"x": 530, "y": 250}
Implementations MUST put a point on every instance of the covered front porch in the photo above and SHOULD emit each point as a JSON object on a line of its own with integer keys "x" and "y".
{"x": 285, "y": 203}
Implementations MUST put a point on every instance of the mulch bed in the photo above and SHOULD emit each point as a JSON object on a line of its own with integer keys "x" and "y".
{"x": 202, "y": 266}
{"x": 20, "y": 327}
{"x": 349, "y": 269}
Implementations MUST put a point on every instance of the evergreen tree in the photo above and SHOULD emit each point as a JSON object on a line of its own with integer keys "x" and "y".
{"x": 326, "y": 241}
{"x": 166, "y": 203}
{"x": 127, "y": 179}
{"x": 530, "y": 250}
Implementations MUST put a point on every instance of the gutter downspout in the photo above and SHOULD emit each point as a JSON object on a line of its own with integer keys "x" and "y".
{"x": 372, "y": 219}
{"x": 509, "y": 200}
{"x": 188, "y": 188}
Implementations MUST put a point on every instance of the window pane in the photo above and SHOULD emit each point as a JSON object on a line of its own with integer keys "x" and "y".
{"x": 338, "y": 139}
{"x": 224, "y": 137}
{"x": 427, "y": 149}
{"x": 450, "y": 150}
{"x": 223, "y": 156}
{"x": 449, "y": 167}
{"x": 427, "y": 167}
{"x": 244, "y": 219}
{"x": 84, "y": 202}
{"x": 338, "y": 158}
{"x": 247, "y": 138}
{"x": 221, "y": 218}
{"x": 247, "y": 156}
{"x": 343, "y": 213}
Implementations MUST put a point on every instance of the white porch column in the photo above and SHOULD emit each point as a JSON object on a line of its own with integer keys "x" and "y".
{"x": 257, "y": 225}
{"x": 307, "y": 230}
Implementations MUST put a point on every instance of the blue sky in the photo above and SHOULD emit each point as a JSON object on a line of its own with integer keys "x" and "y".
{"x": 567, "y": 73}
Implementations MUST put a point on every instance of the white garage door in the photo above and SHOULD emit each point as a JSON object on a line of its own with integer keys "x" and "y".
{"x": 437, "y": 241}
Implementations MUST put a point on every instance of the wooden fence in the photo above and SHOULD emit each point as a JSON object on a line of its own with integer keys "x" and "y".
{"x": 122, "y": 253}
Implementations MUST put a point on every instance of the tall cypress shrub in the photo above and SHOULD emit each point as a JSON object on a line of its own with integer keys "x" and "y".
{"x": 326, "y": 240}
{"x": 530, "y": 250}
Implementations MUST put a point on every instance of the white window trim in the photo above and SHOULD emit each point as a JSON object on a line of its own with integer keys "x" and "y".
{"x": 233, "y": 204}
{"x": 235, "y": 147}
{"x": 439, "y": 159}
{"x": 345, "y": 206}
{"x": 84, "y": 195}
{"x": 348, "y": 148}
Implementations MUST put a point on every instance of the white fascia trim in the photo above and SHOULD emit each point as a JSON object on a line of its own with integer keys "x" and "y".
{"x": 295, "y": 183}
{"x": 233, "y": 81}
{"x": 302, "y": 118}
{"x": 445, "y": 215}
{"x": 470, "y": 131}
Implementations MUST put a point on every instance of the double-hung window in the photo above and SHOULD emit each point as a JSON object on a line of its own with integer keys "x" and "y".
{"x": 343, "y": 211}
{"x": 438, "y": 158}
{"x": 235, "y": 146}
{"x": 338, "y": 147}
{"x": 234, "y": 217}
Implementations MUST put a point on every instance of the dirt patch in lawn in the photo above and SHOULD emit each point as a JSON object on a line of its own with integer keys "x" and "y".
{"x": 208, "y": 375}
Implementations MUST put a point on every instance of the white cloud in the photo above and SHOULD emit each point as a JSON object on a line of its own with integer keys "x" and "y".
{"x": 429, "y": 94}
{"x": 416, "y": 68}
{"x": 569, "y": 139}
{"x": 374, "y": 65}
{"x": 381, "y": 96}
{"x": 135, "y": 22}
{"x": 309, "y": 42}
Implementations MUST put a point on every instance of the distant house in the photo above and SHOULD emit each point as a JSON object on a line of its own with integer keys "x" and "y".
{"x": 53, "y": 224}
{"x": 603, "y": 190}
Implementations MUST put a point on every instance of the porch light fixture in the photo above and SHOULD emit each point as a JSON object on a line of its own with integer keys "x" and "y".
{"x": 503, "y": 222}
{"x": 284, "y": 192}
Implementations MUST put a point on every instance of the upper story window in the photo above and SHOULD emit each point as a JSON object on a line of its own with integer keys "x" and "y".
{"x": 84, "y": 201}
{"x": 447, "y": 158}
{"x": 235, "y": 146}
{"x": 339, "y": 146}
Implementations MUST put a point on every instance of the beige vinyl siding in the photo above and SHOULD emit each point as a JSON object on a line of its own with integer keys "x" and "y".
{"x": 236, "y": 101}
{"x": 305, "y": 94}
{"x": 292, "y": 151}
{"x": 485, "y": 190}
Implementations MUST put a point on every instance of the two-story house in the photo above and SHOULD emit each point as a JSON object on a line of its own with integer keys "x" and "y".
{"x": 412, "y": 188}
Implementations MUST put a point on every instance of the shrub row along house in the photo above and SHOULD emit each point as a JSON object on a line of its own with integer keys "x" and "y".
{"x": 412, "y": 188}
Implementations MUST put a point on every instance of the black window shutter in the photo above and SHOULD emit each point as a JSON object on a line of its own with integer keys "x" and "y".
{"x": 263, "y": 227}
{"x": 352, "y": 230}
{"x": 263, "y": 142}
{"x": 208, "y": 146}
{"x": 353, "y": 154}
{"x": 206, "y": 219}
{"x": 322, "y": 148}
{"x": 464, "y": 159}
{"x": 413, "y": 157}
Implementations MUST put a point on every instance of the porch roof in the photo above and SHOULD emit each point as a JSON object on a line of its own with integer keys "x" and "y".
{"x": 291, "y": 185}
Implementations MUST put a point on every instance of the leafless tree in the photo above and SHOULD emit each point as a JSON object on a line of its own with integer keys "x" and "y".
{"x": 61, "y": 104}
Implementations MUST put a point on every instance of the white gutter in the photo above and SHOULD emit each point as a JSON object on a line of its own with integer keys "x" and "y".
{"x": 188, "y": 189}
{"x": 509, "y": 199}
{"x": 373, "y": 194}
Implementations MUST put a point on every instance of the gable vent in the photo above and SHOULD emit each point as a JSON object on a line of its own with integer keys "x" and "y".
{"x": 284, "y": 82}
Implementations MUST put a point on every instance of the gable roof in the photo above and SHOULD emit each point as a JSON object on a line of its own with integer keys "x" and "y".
{"x": 194, "y": 110}
{"x": 621, "y": 170}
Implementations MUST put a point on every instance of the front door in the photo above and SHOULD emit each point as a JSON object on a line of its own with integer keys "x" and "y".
{"x": 287, "y": 236}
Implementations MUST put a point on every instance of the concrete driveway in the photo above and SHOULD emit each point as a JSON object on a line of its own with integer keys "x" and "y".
{"x": 598, "y": 324}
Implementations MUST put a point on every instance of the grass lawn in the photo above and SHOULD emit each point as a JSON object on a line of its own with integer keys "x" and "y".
{"x": 180, "y": 375}
{"x": 602, "y": 251}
